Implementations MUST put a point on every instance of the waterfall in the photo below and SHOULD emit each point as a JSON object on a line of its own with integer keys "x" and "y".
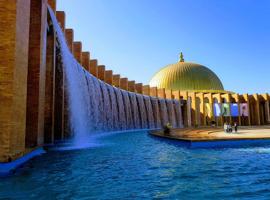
{"x": 121, "y": 109}
{"x": 149, "y": 110}
{"x": 156, "y": 112}
{"x": 107, "y": 117}
{"x": 114, "y": 104}
{"x": 135, "y": 111}
{"x": 178, "y": 113}
{"x": 142, "y": 112}
{"x": 129, "y": 119}
{"x": 96, "y": 106}
{"x": 171, "y": 112}
{"x": 163, "y": 112}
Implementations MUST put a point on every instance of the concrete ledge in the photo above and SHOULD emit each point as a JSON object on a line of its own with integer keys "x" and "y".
{"x": 214, "y": 138}
{"x": 7, "y": 168}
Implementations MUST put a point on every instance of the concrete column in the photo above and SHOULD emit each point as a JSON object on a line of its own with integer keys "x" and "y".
{"x": 61, "y": 18}
{"x": 109, "y": 77}
{"x": 146, "y": 90}
{"x": 59, "y": 103}
{"x": 246, "y": 97}
{"x": 85, "y": 60}
{"x": 153, "y": 91}
{"x": 168, "y": 94}
{"x": 219, "y": 100}
{"x": 62, "y": 100}
{"x": 116, "y": 80}
{"x": 77, "y": 51}
{"x": 267, "y": 111}
{"x": 124, "y": 83}
{"x": 52, "y": 4}
{"x": 176, "y": 94}
{"x": 36, "y": 74}
{"x": 139, "y": 88}
{"x": 101, "y": 72}
{"x": 194, "y": 120}
{"x": 161, "y": 93}
{"x": 202, "y": 109}
{"x": 237, "y": 99}
{"x": 14, "y": 31}
{"x": 93, "y": 67}
{"x": 211, "y": 101}
{"x": 49, "y": 87}
{"x": 69, "y": 35}
{"x": 184, "y": 94}
{"x": 189, "y": 111}
{"x": 131, "y": 86}
{"x": 257, "y": 108}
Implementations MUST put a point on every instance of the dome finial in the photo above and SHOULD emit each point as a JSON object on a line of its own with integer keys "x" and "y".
{"x": 181, "y": 57}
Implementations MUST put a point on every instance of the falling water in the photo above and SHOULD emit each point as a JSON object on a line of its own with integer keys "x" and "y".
{"x": 95, "y": 106}
{"x": 171, "y": 112}
{"x": 163, "y": 111}
{"x": 135, "y": 111}
{"x": 149, "y": 110}
{"x": 156, "y": 112}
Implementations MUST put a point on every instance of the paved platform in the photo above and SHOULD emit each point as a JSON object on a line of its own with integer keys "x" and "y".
{"x": 211, "y": 137}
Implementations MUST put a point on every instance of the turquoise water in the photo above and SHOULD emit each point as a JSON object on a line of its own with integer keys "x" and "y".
{"x": 138, "y": 166}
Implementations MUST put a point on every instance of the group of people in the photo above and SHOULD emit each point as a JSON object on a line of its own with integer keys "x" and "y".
{"x": 228, "y": 128}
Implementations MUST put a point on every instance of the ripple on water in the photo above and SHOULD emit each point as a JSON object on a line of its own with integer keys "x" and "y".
{"x": 133, "y": 165}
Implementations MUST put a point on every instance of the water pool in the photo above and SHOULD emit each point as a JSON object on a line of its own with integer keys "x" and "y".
{"x": 137, "y": 166}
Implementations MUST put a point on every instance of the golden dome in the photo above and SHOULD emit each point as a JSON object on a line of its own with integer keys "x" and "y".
{"x": 186, "y": 76}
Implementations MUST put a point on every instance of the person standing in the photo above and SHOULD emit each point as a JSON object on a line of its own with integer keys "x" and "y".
{"x": 235, "y": 127}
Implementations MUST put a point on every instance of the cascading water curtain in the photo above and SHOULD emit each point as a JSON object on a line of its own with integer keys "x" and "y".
{"x": 95, "y": 106}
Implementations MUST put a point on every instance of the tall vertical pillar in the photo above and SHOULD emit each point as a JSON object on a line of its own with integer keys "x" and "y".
{"x": 267, "y": 111}
{"x": 124, "y": 83}
{"x": 161, "y": 93}
{"x": 49, "y": 87}
{"x": 93, "y": 67}
{"x": 146, "y": 90}
{"x": 202, "y": 109}
{"x": 219, "y": 101}
{"x": 77, "y": 51}
{"x": 116, "y": 80}
{"x": 153, "y": 91}
{"x": 168, "y": 94}
{"x": 192, "y": 95}
{"x": 257, "y": 108}
{"x": 131, "y": 86}
{"x": 61, "y": 18}
{"x": 14, "y": 31}
{"x": 189, "y": 111}
{"x": 184, "y": 97}
{"x": 139, "y": 88}
{"x": 176, "y": 94}
{"x": 101, "y": 72}
{"x": 36, "y": 74}
{"x": 59, "y": 108}
{"x": 85, "y": 60}
{"x": 109, "y": 77}
{"x": 52, "y": 4}
{"x": 69, "y": 35}
{"x": 246, "y": 98}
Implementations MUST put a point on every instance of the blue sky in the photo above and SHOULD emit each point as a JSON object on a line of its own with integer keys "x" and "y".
{"x": 138, "y": 37}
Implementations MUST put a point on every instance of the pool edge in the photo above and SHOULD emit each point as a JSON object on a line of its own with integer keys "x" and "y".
{"x": 7, "y": 168}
